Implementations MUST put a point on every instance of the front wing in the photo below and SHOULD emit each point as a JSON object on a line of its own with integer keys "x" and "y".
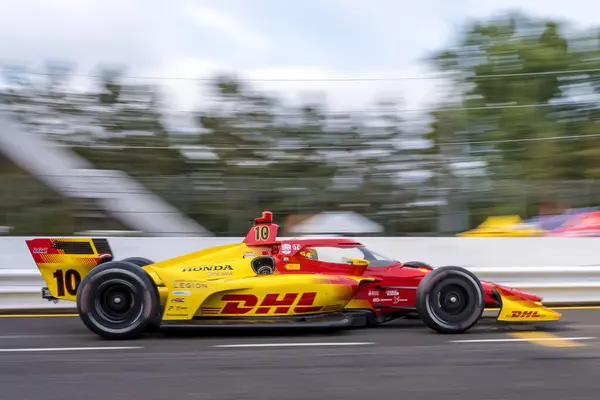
{"x": 514, "y": 308}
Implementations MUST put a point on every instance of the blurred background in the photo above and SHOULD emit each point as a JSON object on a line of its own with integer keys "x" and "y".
{"x": 341, "y": 117}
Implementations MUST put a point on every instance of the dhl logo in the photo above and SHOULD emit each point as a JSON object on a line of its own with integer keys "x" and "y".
{"x": 245, "y": 303}
{"x": 525, "y": 314}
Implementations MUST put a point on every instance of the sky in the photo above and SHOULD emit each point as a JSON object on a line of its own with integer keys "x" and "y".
{"x": 181, "y": 40}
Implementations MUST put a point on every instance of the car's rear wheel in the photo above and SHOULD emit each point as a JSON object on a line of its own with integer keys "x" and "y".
{"x": 117, "y": 300}
{"x": 142, "y": 262}
{"x": 450, "y": 299}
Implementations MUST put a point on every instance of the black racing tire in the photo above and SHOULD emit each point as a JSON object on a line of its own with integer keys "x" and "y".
{"x": 450, "y": 299}
{"x": 117, "y": 300}
{"x": 139, "y": 261}
{"x": 154, "y": 325}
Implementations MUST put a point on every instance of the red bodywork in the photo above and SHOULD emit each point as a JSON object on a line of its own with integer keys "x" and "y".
{"x": 394, "y": 288}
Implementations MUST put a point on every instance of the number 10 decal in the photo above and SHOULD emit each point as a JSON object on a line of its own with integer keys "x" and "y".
{"x": 262, "y": 233}
{"x": 68, "y": 281}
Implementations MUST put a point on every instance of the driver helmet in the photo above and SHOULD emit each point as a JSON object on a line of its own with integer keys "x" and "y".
{"x": 310, "y": 253}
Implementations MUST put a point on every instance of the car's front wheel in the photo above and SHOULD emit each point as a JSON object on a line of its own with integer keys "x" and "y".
{"x": 117, "y": 300}
{"x": 450, "y": 299}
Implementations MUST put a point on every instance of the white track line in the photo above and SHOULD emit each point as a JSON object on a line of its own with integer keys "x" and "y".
{"x": 41, "y": 349}
{"x": 36, "y": 336}
{"x": 522, "y": 340}
{"x": 294, "y": 344}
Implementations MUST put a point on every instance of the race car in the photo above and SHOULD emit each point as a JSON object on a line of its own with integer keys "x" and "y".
{"x": 263, "y": 281}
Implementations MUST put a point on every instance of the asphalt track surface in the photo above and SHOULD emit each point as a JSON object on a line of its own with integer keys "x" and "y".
{"x": 58, "y": 358}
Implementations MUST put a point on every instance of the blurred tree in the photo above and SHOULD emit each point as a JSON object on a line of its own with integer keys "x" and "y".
{"x": 305, "y": 159}
{"x": 511, "y": 75}
{"x": 132, "y": 136}
{"x": 521, "y": 105}
{"x": 266, "y": 154}
{"x": 58, "y": 74}
{"x": 517, "y": 112}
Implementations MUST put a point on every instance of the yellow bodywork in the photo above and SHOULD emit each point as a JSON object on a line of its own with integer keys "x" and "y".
{"x": 516, "y": 309}
{"x": 220, "y": 281}
{"x": 205, "y": 283}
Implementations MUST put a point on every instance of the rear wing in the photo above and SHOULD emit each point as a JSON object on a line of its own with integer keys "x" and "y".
{"x": 263, "y": 231}
{"x": 64, "y": 262}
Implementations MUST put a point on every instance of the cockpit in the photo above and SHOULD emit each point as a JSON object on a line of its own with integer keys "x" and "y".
{"x": 342, "y": 254}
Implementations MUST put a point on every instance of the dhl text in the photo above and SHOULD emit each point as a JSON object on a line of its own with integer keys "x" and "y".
{"x": 282, "y": 303}
{"x": 525, "y": 314}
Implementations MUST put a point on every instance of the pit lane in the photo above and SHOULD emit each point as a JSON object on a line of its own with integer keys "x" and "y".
{"x": 57, "y": 356}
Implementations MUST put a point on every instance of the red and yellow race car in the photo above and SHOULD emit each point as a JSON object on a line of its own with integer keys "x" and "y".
{"x": 263, "y": 281}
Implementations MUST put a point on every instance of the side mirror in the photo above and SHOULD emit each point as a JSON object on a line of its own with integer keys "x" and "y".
{"x": 359, "y": 262}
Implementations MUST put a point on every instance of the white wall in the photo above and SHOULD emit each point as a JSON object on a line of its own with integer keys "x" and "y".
{"x": 467, "y": 252}
{"x": 523, "y": 263}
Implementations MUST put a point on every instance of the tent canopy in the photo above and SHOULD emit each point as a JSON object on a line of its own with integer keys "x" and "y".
{"x": 337, "y": 223}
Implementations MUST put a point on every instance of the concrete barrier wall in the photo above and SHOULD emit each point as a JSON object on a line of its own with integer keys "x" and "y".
{"x": 559, "y": 269}
{"x": 468, "y": 252}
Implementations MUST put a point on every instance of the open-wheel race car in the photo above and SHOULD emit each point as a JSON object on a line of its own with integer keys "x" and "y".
{"x": 263, "y": 281}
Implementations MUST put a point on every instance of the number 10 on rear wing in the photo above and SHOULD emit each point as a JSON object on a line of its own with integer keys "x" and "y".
{"x": 64, "y": 262}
